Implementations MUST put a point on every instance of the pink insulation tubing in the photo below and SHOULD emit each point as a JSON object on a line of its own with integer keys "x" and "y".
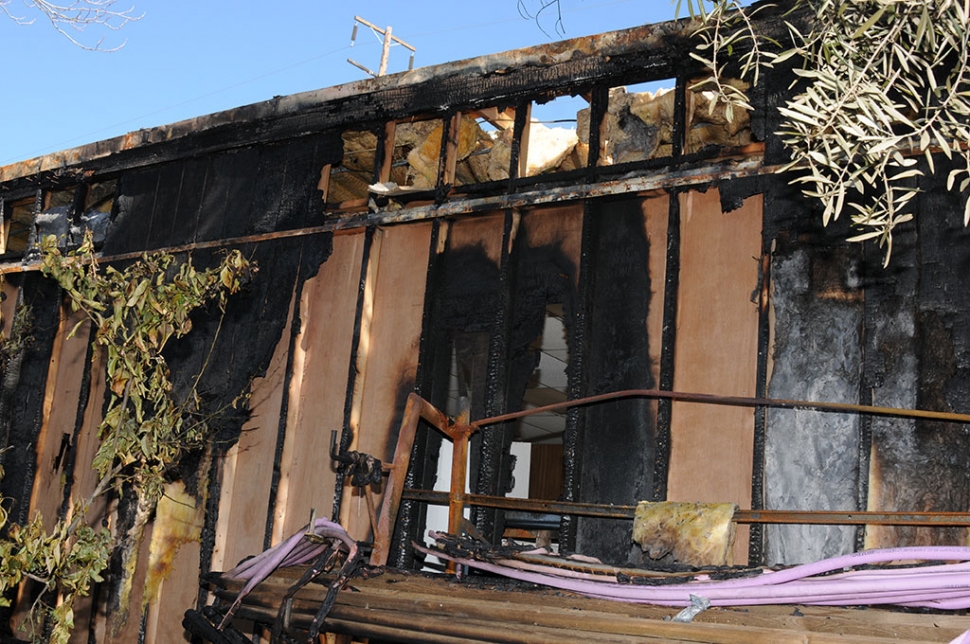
{"x": 932, "y": 586}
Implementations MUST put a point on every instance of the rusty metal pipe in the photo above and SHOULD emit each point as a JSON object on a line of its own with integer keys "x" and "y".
{"x": 415, "y": 409}
{"x": 610, "y": 511}
{"x": 734, "y": 401}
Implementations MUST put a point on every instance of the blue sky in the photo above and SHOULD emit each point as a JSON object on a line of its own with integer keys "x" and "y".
{"x": 186, "y": 58}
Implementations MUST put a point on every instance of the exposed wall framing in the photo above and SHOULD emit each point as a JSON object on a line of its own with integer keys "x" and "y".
{"x": 409, "y": 238}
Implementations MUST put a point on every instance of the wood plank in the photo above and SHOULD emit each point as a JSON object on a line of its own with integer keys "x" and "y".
{"x": 483, "y": 231}
{"x": 716, "y": 353}
{"x": 86, "y": 481}
{"x": 623, "y": 335}
{"x": 175, "y": 554}
{"x": 54, "y": 443}
{"x": 247, "y": 467}
{"x": 500, "y": 608}
{"x": 387, "y": 355}
{"x": 560, "y": 227}
{"x": 129, "y": 631}
{"x": 318, "y": 387}
{"x": 176, "y": 596}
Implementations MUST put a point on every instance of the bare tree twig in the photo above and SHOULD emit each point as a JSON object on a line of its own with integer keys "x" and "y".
{"x": 71, "y": 19}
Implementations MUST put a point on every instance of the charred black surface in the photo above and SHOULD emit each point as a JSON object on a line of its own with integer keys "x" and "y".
{"x": 539, "y": 276}
{"x": 577, "y": 376}
{"x": 499, "y": 343}
{"x": 756, "y": 535}
{"x": 225, "y": 195}
{"x": 619, "y": 442}
{"x": 671, "y": 287}
{"x": 916, "y": 357}
{"x": 26, "y": 375}
{"x": 25, "y": 413}
{"x": 464, "y": 292}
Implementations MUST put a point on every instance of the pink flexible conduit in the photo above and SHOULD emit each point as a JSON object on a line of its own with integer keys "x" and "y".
{"x": 945, "y": 586}
{"x": 942, "y": 587}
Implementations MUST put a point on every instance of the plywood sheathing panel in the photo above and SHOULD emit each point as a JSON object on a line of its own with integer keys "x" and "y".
{"x": 134, "y": 209}
{"x": 811, "y": 457}
{"x": 162, "y": 220}
{"x": 387, "y": 355}
{"x": 626, "y": 298}
{"x": 318, "y": 387}
{"x": 917, "y": 357}
{"x": 716, "y": 353}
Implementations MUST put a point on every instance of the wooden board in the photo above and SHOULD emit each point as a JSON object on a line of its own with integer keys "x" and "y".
{"x": 129, "y": 631}
{"x": 86, "y": 481}
{"x": 54, "y": 443}
{"x": 247, "y": 467}
{"x": 716, "y": 353}
{"x": 439, "y": 605}
{"x": 318, "y": 387}
{"x": 387, "y": 355}
{"x": 175, "y": 597}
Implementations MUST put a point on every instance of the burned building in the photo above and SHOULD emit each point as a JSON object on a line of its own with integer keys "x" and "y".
{"x": 442, "y": 231}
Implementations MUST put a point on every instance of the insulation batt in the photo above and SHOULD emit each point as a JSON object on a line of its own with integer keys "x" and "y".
{"x": 696, "y": 534}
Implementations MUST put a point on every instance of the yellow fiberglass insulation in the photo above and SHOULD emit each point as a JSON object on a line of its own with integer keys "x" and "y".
{"x": 696, "y": 534}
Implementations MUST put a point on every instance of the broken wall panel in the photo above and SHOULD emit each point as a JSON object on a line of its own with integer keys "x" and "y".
{"x": 617, "y": 461}
{"x": 811, "y": 457}
{"x": 716, "y": 352}
{"x": 387, "y": 355}
{"x": 543, "y": 270}
{"x": 351, "y": 174}
{"x": 466, "y": 309}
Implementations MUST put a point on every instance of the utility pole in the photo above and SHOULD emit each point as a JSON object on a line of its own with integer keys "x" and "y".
{"x": 385, "y": 54}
